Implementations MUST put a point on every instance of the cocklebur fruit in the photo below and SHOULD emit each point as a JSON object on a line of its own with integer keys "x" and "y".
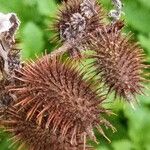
{"x": 75, "y": 20}
{"x": 119, "y": 62}
{"x": 54, "y": 92}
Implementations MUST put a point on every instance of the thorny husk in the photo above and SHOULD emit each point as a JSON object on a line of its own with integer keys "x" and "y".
{"x": 61, "y": 100}
{"x": 31, "y": 136}
{"x": 119, "y": 62}
{"x": 75, "y": 21}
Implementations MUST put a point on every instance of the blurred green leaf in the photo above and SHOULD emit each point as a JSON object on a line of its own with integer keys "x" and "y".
{"x": 32, "y": 40}
{"x": 30, "y": 3}
{"x": 5, "y": 142}
{"x": 47, "y": 7}
{"x": 102, "y": 148}
{"x": 145, "y": 43}
{"x": 139, "y": 127}
{"x": 146, "y": 3}
{"x": 145, "y": 98}
{"x": 137, "y": 16}
{"x": 122, "y": 144}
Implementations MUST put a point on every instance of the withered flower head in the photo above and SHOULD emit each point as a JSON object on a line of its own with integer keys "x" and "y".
{"x": 119, "y": 62}
{"x": 56, "y": 95}
{"x": 76, "y": 19}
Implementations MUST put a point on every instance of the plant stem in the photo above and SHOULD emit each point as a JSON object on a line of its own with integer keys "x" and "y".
{"x": 61, "y": 50}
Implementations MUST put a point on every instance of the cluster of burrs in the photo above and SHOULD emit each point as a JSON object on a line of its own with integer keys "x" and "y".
{"x": 49, "y": 104}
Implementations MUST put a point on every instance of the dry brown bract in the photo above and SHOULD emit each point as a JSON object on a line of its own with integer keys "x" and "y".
{"x": 9, "y": 55}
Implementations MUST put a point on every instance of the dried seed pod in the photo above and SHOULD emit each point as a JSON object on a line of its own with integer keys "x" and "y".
{"x": 119, "y": 62}
{"x": 31, "y": 136}
{"x": 56, "y": 95}
{"x": 76, "y": 19}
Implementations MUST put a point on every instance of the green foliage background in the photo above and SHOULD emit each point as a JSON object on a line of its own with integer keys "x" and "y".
{"x": 36, "y": 15}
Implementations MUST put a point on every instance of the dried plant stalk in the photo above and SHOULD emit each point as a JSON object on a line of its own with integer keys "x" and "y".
{"x": 9, "y": 55}
{"x": 9, "y": 24}
{"x": 116, "y": 13}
